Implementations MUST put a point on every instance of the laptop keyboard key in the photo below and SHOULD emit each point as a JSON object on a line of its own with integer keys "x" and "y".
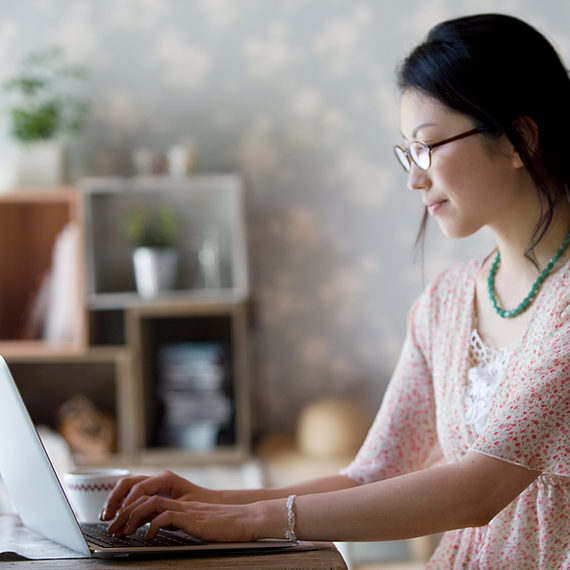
{"x": 97, "y": 533}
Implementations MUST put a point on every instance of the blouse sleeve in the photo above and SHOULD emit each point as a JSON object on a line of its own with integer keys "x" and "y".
{"x": 533, "y": 428}
{"x": 403, "y": 436}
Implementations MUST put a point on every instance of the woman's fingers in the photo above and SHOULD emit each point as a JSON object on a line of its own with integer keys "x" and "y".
{"x": 117, "y": 496}
{"x": 203, "y": 521}
{"x": 130, "y": 489}
{"x": 141, "y": 511}
{"x": 166, "y": 519}
{"x": 221, "y": 523}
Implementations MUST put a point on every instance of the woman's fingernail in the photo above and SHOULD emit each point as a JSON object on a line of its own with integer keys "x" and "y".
{"x": 113, "y": 531}
{"x": 103, "y": 514}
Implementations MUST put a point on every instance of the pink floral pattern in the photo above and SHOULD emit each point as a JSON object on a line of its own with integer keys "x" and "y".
{"x": 420, "y": 421}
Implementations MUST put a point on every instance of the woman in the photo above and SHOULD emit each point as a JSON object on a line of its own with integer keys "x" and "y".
{"x": 472, "y": 438}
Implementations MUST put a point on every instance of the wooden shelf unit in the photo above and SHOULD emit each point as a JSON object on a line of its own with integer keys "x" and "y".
{"x": 113, "y": 358}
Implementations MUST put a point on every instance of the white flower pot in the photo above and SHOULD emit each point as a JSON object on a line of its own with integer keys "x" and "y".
{"x": 40, "y": 163}
{"x": 155, "y": 269}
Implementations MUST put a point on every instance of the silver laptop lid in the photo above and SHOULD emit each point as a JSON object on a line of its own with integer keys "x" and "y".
{"x": 29, "y": 476}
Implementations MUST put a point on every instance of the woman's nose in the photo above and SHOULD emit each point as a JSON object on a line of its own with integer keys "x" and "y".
{"x": 418, "y": 179}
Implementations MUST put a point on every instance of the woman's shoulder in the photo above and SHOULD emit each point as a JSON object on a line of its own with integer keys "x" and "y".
{"x": 449, "y": 294}
{"x": 455, "y": 280}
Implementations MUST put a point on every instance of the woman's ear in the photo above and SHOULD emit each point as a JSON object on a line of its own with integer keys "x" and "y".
{"x": 528, "y": 131}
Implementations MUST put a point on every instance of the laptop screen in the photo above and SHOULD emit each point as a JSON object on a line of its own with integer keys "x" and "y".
{"x": 30, "y": 478}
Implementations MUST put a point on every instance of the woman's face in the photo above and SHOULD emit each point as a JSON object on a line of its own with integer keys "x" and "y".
{"x": 467, "y": 185}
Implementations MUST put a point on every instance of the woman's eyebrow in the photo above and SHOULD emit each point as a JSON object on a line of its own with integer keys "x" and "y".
{"x": 417, "y": 130}
{"x": 420, "y": 127}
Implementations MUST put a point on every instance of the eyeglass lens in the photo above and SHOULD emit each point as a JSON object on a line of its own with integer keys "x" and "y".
{"x": 416, "y": 152}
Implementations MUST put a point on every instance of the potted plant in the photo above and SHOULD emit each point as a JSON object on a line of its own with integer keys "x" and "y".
{"x": 41, "y": 110}
{"x": 155, "y": 257}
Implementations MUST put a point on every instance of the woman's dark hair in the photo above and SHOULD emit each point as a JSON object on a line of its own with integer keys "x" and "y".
{"x": 498, "y": 70}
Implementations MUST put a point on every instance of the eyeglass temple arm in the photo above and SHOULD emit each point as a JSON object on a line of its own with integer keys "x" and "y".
{"x": 455, "y": 138}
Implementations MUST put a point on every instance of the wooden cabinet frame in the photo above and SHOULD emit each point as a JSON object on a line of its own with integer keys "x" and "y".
{"x": 31, "y": 220}
{"x": 138, "y": 320}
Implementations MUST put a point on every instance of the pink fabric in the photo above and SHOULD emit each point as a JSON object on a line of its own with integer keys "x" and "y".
{"x": 420, "y": 421}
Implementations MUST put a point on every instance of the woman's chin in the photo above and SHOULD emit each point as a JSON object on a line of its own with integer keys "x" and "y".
{"x": 453, "y": 231}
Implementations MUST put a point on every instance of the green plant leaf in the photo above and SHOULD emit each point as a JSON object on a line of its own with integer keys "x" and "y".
{"x": 37, "y": 123}
{"x": 43, "y": 107}
{"x": 147, "y": 228}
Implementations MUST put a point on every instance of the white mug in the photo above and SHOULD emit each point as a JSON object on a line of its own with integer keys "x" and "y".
{"x": 88, "y": 488}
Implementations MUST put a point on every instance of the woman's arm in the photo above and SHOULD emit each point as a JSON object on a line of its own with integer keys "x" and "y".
{"x": 167, "y": 484}
{"x": 467, "y": 493}
{"x": 314, "y": 486}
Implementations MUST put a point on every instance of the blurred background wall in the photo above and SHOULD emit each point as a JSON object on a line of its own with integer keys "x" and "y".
{"x": 298, "y": 97}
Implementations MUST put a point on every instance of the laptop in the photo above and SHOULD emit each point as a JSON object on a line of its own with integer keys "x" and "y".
{"x": 43, "y": 507}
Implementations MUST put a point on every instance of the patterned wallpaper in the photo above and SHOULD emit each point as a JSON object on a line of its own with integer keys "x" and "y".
{"x": 298, "y": 97}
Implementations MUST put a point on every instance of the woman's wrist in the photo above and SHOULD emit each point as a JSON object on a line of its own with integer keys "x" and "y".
{"x": 268, "y": 519}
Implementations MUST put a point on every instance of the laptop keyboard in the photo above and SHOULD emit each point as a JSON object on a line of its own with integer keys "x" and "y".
{"x": 98, "y": 535}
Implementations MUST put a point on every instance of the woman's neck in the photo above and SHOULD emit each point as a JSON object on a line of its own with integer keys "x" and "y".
{"x": 516, "y": 276}
{"x": 513, "y": 243}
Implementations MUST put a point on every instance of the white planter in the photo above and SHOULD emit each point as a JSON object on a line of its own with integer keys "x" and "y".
{"x": 155, "y": 269}
{"x": 40, "y": 163}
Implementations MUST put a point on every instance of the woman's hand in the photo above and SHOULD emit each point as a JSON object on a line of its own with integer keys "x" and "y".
{"x": 167, "y": 485}
{"x": 210, "y": 522}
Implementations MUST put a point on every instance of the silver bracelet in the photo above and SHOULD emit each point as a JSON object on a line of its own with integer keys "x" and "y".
{"x": 290, "y": 534}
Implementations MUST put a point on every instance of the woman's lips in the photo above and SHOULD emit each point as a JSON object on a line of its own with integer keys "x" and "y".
{"x": 433, "y": 208}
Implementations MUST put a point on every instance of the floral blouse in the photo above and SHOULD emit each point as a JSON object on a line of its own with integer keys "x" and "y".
{"x": 422, "y": 421}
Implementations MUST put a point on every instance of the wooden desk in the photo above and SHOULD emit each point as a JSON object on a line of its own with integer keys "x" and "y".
{"x": 324, "y": 556}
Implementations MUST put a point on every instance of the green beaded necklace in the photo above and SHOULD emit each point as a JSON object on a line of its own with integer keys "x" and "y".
{"x": 536, "y": 286}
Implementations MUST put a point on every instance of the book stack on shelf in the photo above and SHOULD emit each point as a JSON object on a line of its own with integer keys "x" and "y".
{"x": 192, "y": 388}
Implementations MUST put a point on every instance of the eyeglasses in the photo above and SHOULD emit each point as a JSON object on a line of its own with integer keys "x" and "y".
{"x": 420, "y": 153}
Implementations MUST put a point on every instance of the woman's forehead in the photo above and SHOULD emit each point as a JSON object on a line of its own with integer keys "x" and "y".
{"x": 419, "y": 112}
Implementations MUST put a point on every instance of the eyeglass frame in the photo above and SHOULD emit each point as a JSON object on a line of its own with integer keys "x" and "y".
{"x": 405, "y": 152}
